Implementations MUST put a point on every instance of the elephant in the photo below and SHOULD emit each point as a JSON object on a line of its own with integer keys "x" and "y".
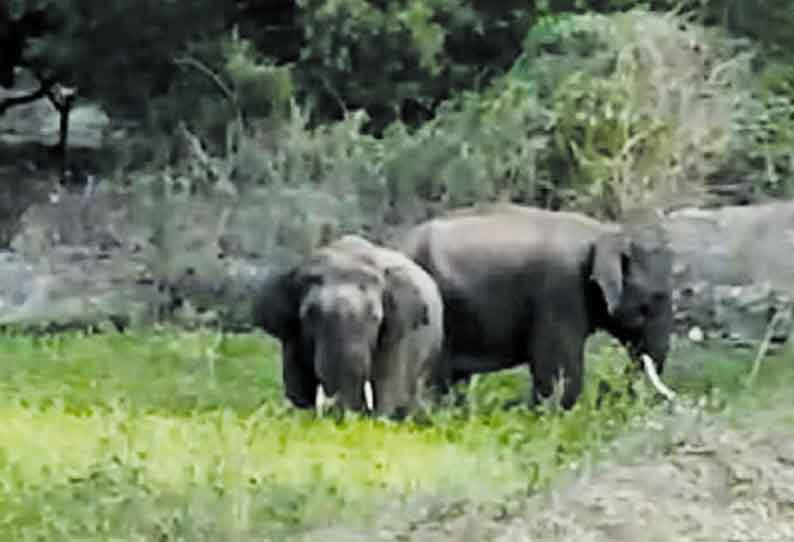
{"x": 525, "y": 285}
{"x": 360, "y": 325}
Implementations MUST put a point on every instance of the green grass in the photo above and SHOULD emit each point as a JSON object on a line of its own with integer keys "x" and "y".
{"x": 186, "y": 436}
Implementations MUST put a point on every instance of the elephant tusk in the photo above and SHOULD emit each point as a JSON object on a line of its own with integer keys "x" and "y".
{"x": 322, "y": 400}
{"x": 650, "y": 369}
{"x": 369, "y": 396}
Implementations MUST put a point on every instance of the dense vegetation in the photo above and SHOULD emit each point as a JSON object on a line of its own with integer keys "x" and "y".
{"x": 402, "y": 107}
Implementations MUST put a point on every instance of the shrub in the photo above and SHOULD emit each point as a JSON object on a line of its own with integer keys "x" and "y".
{"x": 601, "y": 113}
{"x": 642, "y": 105}
{"x": 399, "y": 60}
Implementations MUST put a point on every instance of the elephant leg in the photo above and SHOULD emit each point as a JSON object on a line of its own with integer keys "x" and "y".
{"x": 391, "y": 373}
{"x": 392, "y": 396}
{"x": 439, "y": 379}
{"x": 395, "y": 406}
{"x": 463, "y": 366}
{"x": 557, "y": 358}
{"x": 300, "y": 382}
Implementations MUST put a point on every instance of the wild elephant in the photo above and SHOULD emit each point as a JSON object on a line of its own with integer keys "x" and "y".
{"x": 359, "y": 324}
{"x": 527, "y": 285}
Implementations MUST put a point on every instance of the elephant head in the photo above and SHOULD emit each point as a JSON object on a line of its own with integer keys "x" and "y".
{"x": 337, "y": 310}
{"x": 632, "y": 270}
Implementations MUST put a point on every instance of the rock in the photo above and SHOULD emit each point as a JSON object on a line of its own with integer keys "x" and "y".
{"x": 734, "y": 245}
{"x": 696, "y": 335}
{"x": 733, "y": 270}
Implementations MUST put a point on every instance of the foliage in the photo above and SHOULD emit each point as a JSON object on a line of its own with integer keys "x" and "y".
{"x": 469, "y": 100}
{"x": 642, "y": 105}
{"x": 120, "y": 53}
{"x": 765, "y": 21}
{"x": 762, "y": 159}
{"x": 124, "y": 53}
{"x": 425, "y": 51}
{"x": 602, "y": 114}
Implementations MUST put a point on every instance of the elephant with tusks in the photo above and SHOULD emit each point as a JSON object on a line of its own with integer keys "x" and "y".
{"x": 360, "y": 326}
{"x": 523, "y": 285}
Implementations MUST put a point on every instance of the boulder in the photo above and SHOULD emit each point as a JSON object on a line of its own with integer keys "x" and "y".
{"x": 733, "y": 271}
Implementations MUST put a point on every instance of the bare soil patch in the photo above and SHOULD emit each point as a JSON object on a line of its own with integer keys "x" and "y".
{"x": 681, "y": 477}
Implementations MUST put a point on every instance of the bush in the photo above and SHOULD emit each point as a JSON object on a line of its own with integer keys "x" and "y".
{"x": 601, "y": 114}
{"x": 399, "y": 60}
{"x": 642, "y": 104}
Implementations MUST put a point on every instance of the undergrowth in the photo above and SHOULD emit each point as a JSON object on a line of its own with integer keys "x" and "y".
{"x": 186, "y": 436}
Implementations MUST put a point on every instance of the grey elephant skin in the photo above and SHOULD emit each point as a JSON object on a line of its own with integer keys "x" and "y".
{"x": 351, "y": 315}
{"x": 523, "y": 285}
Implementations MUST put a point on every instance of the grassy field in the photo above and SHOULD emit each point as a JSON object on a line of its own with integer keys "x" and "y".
{"x": 175, "y": 436}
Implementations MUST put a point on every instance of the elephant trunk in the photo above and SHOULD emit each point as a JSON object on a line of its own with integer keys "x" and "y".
{"x": 343, "y": 375}
{"x": 323, "y": 401}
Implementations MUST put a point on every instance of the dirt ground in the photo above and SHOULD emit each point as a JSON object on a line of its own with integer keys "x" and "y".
{"x": 681, "y": 477}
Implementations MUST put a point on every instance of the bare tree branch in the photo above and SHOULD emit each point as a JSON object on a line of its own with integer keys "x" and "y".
{"x": 43, "y": 91}
{"x": 194, "y": 63}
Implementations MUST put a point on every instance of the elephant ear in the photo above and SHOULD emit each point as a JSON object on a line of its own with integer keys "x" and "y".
{"x": 276, "y": 307}
{"x": 609, "y": 264}
{"x": 404, "y": 307}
